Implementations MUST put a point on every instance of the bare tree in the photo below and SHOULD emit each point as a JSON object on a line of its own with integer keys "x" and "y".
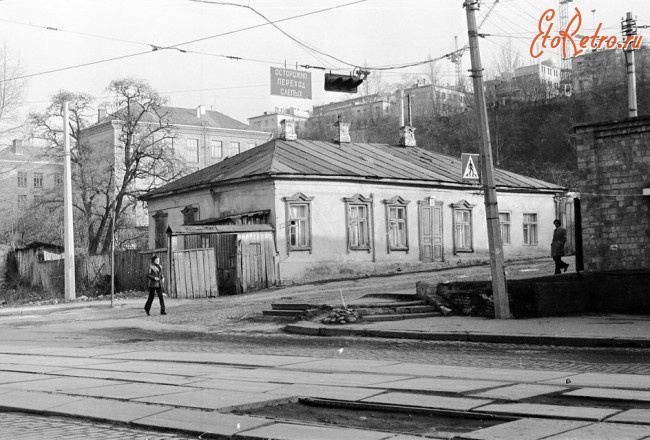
{"x": 11, "y": 93}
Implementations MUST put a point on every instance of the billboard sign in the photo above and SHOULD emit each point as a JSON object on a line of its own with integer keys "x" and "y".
{"x": 290, "y": 83}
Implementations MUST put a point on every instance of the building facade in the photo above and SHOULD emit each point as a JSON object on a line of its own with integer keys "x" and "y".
{"x": 26, "y": 173}
{"x": 270, "y": 121}
{"x": 349, "y": 209}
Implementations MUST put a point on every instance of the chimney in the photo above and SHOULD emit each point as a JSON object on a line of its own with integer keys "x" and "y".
{"x": 200, "y": 111}
{"x": 101, "y": 114}
{"x": 17, "y": 147}
{"x": 288, "y": 130}
{"x": 342, "y": 132}
{"x": 406, "y": 132}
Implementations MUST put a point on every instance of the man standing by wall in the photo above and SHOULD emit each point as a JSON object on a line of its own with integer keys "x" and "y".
{"x": 557, "y": 247}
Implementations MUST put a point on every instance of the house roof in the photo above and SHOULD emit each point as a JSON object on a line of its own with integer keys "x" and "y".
{"x": 187, "y": 116}
{"x": 314, "y": 159}
{"x": 30, "y": 154}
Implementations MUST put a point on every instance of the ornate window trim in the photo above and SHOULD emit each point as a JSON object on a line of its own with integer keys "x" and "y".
{"x": 463, "y": 206}
{"x": 190, "y": 212}
{"x": 357, "y": 201}
{"x": 397, "y": 202}
{"x": 159, "y": 217}
{"x": 298, "y": 199}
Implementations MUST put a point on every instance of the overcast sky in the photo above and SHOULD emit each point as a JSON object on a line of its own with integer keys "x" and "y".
{"x": 371, "y": 32}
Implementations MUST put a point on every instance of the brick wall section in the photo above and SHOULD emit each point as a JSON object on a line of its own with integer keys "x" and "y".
{"x": 614, "y": 168}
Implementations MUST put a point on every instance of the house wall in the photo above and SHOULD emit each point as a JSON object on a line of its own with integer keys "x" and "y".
{"x": 220, "y": 202}
{"x": 330, "y": 257}
{"x": 614, "y": 169}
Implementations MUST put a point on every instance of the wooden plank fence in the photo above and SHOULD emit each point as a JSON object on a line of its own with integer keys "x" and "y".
{"x": 93, "y": 271}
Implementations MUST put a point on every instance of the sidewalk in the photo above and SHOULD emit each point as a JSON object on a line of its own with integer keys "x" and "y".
{"x": 579, "y": 331}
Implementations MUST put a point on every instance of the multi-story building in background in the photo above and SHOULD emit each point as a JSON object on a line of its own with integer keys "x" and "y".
{"x": 270, "y": 121}
{"x": 535, "y": 82}
{"x": 26, "y": 174}
{"x": 428, "y": 99}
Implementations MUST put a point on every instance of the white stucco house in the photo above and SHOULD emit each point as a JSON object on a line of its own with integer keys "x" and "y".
{"x": 341, "y": 210}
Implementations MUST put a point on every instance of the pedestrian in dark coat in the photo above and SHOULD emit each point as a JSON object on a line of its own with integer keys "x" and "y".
{"x": 156, "y": 280}
{"x": 557, "y": 247}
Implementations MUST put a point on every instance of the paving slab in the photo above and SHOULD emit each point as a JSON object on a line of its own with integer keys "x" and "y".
{"x": 326, "y": 392}
{"x": 211, "y": 399}
{"x": 611, "y": 394}
{"x": 519, "y": 391}
{"x": 286, "y": 431}
{"x": 162, "y": 367}
{"x": 606, "y": 431}
{"x": 60, "y": 351}
{"x": 8, "y": 377}
{"x": 213, "y": 358}
{"x": 108, "y": 409}
{"x": 498, "y": 374}
{"x": 34, "y": 400}
{"x": 31, "y": 368}
{"x": 551, "y": 411}
{"x": 640, "y": 416}
{"x": 129, "y": 376}
{"x": 128, "y": 391}
{"x": 606, "y": 380}
{"x": 528, "y": 429}
{"x": 341, "y": 365}
{"x": 428, "y": 401}
{"x": 55, "y": 361}
{"x": 202, "y": 422}
{"x": 237, "y": 385}
{"x": 312, "y": 377}
{"x": 439, "y": 384}
{"x": 62, "y": 384}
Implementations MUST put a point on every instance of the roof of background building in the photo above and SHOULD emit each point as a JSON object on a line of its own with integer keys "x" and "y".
{"x": 30, "y": 154}
{"x": 187, "y": 116}
{"x": 354, "y": 160}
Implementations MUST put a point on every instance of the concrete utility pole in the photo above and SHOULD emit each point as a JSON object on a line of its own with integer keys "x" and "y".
{"x": 68, "y": 235}
{"x": 629, "y": 30}
{"x": 499, "y": 288}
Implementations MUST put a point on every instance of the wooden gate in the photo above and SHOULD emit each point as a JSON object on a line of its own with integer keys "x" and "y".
{"x": 194, "y": 273}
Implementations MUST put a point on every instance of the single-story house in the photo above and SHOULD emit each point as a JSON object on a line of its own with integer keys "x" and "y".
{"x": 345, "y": 209}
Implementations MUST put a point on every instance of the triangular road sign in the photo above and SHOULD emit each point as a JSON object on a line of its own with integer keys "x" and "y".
{"x": 470, "y": 172}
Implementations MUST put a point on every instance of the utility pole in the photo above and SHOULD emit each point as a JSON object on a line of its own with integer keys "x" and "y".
{"x": 629, "y": 29}
{"x": 68, "y": 234}
{"x": 499, "y": 287}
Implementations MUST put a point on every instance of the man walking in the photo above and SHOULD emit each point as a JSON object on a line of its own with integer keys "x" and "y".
{"x": 557, "y": 247}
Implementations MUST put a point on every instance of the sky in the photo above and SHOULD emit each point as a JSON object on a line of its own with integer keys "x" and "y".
{"x": 81, "y": 45}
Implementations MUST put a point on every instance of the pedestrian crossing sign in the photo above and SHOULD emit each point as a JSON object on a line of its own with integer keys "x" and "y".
{"x": 470, "y": 167}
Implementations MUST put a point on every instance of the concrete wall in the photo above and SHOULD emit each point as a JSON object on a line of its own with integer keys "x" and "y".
{"x": 614, "y": 168}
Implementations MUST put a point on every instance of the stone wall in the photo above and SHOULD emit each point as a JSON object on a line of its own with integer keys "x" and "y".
{"x": 614, "y": 168}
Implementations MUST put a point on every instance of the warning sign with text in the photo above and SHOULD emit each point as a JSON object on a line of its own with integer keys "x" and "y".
{"x": 470, "y": 167}
{"x": 290, "y": 83}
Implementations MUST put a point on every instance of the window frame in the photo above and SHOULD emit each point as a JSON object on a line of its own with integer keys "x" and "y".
{"x": 463, "y": 206}
{"x": 38, "y": 180}
{"x": 525, "y": 226}
{"x": 21, "y": 179}
{"x": 191, "y": 144}
{"x": 397, "y": 202}
{"x": 190, "y": 212}
{"x": 214, "y": 147}
{"x": 359, "y": 201}
{"x": 21, "y": 201}
{"x": 298, "y": 199}
{"x": 508, "y": 226}
{"x": 160, "y": 218}
{"x": 231, "y": 145}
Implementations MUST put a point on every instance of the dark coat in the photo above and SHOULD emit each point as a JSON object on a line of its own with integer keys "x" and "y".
{"x": 559, "y": 239}
{"x": 155, "y": 275}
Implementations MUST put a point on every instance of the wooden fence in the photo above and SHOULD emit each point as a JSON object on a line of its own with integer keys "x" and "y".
{"x": 92, "y": 272}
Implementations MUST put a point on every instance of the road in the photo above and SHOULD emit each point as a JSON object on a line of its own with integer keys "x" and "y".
{"x": 234, "y": 325}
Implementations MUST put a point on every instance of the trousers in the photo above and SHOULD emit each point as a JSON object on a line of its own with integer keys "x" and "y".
{"x": 152, "y": 294}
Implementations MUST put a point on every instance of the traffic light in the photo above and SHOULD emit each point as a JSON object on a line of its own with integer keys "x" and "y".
{"x": 342, "y": 83}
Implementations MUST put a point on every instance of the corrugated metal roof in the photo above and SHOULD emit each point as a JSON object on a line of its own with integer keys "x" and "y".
{"x": 354, "y": 160}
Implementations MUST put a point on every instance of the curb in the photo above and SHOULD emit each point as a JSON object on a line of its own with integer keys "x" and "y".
{"x": 568, "y": 341}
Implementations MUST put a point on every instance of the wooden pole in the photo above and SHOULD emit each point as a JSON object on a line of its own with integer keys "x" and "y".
{"x": 499, "y": 287}
{"x": 68, "y": 234}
